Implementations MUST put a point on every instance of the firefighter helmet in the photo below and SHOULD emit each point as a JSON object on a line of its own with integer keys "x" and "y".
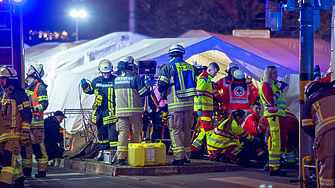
{"x": 105, "y": 66}
{"x": 176, "y": 50}
{"x": 126, "y": 63}
{"x": 238, "y": 74}
{"x": 314, "y": 86}
{"x": 7, "y": 72}
{"x": 231, "y": 65}
{"x": 38, "y": 68}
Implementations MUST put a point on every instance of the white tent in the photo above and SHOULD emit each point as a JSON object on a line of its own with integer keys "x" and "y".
{"x": 65, "y": 90}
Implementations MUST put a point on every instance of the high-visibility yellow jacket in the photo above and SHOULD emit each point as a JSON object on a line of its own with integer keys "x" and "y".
{"x": 220, "y": 139}
{"x": 204, "y": 100}
{"x": 272, "y": 98}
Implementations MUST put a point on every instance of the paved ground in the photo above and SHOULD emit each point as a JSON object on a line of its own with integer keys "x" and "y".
{"x": 248, "y": 177}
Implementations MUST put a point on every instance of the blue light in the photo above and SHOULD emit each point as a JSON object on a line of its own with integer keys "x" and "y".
{"x": 18, "y": 1}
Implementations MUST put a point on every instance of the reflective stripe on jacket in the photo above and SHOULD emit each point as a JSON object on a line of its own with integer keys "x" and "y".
{"x": 252, "y": 126}
{"x": 272, "y": 98}
{"x": 129, "y": 92}
{"x": 104, "y": 87}
{"x": 175, "y": 104}
{"x": 15, "y": 114}
{"x": 204, "y": 100}
{"x": 221, "y": 139}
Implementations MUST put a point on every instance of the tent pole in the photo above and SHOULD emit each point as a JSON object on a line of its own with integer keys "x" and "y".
{"x": 306, "y": 74}
{"x": 332, "y": 61}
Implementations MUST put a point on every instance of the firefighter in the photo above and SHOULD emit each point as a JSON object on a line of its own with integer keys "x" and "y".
{"x": 224, "y": 83}
{"x": 103, "y": 115}
{"x": 224, "y": 144}
{"x": 14, "y": 124}
{"x": 203, "y": 106}
{"x": 238, "y": 95}
{"x": 274, "y": 117}
{"x": 129, "y": 92}
{"x": 252, "y": 124}
{"x": 318, "y": 122}
{"x": 36, "y": 90}
{"x": 177, "y": 82}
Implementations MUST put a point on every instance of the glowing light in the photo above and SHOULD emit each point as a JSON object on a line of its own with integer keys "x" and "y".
{"x": 18, "y": 1}
{"x": 81, "y": 13}
{"x": 1, "y": 1}
{"x": 64, "y": 33}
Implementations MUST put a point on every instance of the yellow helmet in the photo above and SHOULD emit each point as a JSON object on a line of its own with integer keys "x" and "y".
{"x": 105, "y": 66}
{"x": 7, "y": 72}
{"x": 38, "y": 68}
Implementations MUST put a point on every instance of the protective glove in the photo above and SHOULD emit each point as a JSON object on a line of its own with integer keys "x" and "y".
{"x": 282, "y": 85}
{"x": 83, "y": 81}
{"x": 152, "y": 83}
{"x": 200, "y": 113}
{"x": 98, "y": 101}
{"x": 25, "y": 140}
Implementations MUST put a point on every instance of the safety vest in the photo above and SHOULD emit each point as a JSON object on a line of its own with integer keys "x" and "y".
{"x": 279, "y": 106}
{"x": 35, "y": 99}
{"x": 183, "y": 79}
{"x": 220, "y": 139}
{"x": 204, "y": 100}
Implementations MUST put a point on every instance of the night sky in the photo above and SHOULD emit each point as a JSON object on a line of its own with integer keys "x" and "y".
{"x": 103, "y": 17}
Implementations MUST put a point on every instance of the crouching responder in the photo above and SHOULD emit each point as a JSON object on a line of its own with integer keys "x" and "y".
{"x": 53, "y": 135}
{"x": 103, "y": 115}
{"x": 224, "y": 144}
{"x": 36, "y": 90}
{"x": 15, "y": 118}
{"x": 177, "y": 82}
{"x": 319, "y": 122}
{"x": 203, "y": 105}
{"x": 252, "y": 124}
{"x": 129, "y": 92}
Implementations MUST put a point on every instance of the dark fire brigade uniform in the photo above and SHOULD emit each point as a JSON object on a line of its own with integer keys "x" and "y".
{"x": 15, "y": 120}
{"x": 37, "y": 93}
{"x": 319, "y": 122}
{"x": 103, "y": 111}
{"x": 129, "y": 92}
{"x": 178, "y": 80}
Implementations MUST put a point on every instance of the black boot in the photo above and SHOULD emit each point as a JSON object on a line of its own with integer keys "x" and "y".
{"x": 278, "y": 172}
{"x": 41, "y": 174}
{"x": 194, "y": 155}
{"x": 19, "y": 183}
{"x": 5, "y": 185}
{"x": 100, "y": 156}
{"x": 122, "y": 162}
{"x": 27, "y": 172}
{"x": 178, "y": 162}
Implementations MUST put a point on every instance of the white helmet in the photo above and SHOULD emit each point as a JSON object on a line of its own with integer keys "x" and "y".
{"x": 38, "y": 68}
{"x": 176, "y": 50}
{"x": 105, "y": 66}
{"x": 127, "y": 63}
{"x": 232, "y": 65}
{"x": 238, "y": 74}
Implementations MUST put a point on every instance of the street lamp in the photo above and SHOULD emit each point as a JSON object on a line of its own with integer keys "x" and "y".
{"x": 76, "y": 14}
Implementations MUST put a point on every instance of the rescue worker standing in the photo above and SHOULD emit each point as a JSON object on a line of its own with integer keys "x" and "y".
{"x": 36, "y": 90}
{"x": 15, "y": 120}
{"x": 203, "y": 106}
{"x": 224, "y": 83}
{"x": 177, "y": 82}
{"x": 104, "y": 106}
{"x": 129, "y": 91}
{"x": 238, "y": 95}
{"x": 318, "y": 122}
{"x": 274, "y": 117}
